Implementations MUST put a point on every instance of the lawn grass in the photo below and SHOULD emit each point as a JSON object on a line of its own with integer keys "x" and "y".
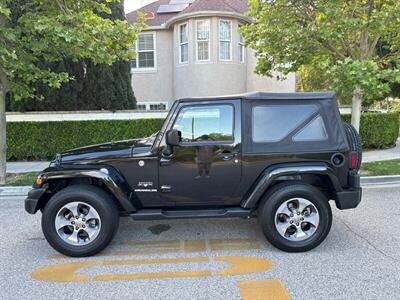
{"x": 25, "y": 179}
{"x": 381, "y": 168}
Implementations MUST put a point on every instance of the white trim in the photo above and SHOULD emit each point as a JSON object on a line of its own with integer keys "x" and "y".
{"x": 230, "y": 41}
{"x": 209, "y": 41}
{"x": 242, "y": 48}
{"x": 223, "y": 14}
{"x": 146, "y": 70}
{"x": 180, "y": 44}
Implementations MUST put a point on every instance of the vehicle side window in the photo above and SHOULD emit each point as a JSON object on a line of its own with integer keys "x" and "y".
{"x": 273, "y": 123}
{"x": 205, "y": 123}
{"x": 313, "y": 131}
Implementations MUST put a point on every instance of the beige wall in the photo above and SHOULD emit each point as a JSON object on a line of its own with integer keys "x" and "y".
{"x": 173, "y": 80}
{"x": 210, "y": 78}
{"x": 259, "y": 83}
{"x": 156, "y": 85}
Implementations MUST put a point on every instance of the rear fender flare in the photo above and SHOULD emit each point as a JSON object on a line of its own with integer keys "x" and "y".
{"x": 270, "y": 174}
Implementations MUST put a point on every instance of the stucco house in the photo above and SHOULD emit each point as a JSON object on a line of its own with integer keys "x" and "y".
{"x": 192, "y": 48}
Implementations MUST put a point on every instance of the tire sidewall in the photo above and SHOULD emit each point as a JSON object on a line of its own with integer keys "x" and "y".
{"x": 100, "y": 201}
{"x": 277, "y": 198}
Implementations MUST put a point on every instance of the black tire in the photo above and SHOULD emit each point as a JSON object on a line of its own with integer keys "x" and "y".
{"x": 100, "y": 201}
{"x": 277, "y": 196}
{"x": 354, "y": 141}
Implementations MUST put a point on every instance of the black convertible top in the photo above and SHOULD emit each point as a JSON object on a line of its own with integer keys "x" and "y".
{"x": 269, "y": 96}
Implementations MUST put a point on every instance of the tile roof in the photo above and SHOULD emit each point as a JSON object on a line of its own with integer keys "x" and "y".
{"x": 155, "y": 19}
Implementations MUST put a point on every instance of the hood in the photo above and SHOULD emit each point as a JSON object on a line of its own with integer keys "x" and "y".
{"x": 112, "y": 150}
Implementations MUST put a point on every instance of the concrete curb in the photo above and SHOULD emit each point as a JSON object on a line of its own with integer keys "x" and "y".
{"x": 8, "y": 191}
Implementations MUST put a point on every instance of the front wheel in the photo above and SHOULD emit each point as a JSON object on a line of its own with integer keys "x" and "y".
{"x": 295, "y": 217}
{"x": 80, "y": 220}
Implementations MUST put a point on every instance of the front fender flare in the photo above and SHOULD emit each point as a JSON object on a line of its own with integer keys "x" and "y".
{"x": 117, "y": 186}
{"x": 273, "y": 172}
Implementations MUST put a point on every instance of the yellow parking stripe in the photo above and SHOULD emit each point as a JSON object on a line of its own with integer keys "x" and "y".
{"x": 184, "y": 246}
{"x": 68, "y": 272}
{"x": 271, "y": 289}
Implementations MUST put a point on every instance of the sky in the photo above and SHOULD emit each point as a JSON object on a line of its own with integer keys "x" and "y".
{"x": 131, "y": 5}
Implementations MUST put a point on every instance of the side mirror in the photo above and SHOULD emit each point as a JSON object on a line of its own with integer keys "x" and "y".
{"x": 173, "y": 137}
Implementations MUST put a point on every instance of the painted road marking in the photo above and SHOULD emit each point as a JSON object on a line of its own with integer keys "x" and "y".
{"x": 271, "y": 289}
{"x": 177, "y": 246}
{"x": 67, "y": 272}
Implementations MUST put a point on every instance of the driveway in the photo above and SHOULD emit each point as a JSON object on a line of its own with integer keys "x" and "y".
{"x": 208, "y": 259}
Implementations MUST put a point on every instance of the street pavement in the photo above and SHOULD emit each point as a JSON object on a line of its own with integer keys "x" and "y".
{"x": 209, "y": 259}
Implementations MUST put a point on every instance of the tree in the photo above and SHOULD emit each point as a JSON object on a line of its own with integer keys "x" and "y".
{"x": 52, "y": 31}
{"x": 338, "y": 36}
{"x": 95, "y": 86}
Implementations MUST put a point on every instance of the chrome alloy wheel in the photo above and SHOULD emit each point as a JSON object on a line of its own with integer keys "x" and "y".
{"x": 297, "y": 219}
{"x": 77, "y": 223}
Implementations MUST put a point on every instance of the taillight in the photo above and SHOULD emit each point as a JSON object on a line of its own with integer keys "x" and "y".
{"x": 354, "y": 160}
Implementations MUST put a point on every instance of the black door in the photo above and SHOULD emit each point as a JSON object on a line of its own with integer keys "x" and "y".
{"x": 205, "y": 169}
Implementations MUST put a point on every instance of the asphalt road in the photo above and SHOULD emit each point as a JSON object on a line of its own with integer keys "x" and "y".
{"x": 209, "y": 259}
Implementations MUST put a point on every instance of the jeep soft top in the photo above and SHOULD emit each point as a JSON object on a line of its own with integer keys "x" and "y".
{"x": 278, "y": 157}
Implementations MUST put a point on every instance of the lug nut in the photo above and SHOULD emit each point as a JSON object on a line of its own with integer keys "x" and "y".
{"x": 76, "y": 217}
{"x": 302, "y": 219}
{"x": 291, "y": 222}
{"x": 72, "y": 222}
{"x": 291, "y": 215}
{"x": 83, "y": 219}
{"x": 83, "y": 226}
{"x": 297, "y": 224}
{"x": 76, "y": 227}
{"x": 298, "y": 213}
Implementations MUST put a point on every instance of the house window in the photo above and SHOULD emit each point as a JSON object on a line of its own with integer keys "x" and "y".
{"x": 145, "y": 48}
{"x": 141, "y": 107}
{"x": 241, "y": 49}
{"x": 203, "y": 40}
{"x": 183, "y": 43}
{"x": 225, "y": 40}
{"x": 151, "y": 106}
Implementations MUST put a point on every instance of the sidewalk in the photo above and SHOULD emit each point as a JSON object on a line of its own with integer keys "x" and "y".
{"x": 380, "y": 155}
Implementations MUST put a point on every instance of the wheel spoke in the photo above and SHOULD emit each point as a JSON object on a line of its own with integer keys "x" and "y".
{"x": 282, "y": 227}
{"x": 73, "y": 208}
{"x": 313, "y": 219}
{"x": 73, "y": 238}
{"x": 300, "y": 234}
{"x": 61, "y": 222}
{"x": 91, "y": 215}
{"x": 90, "y": 231}
{"x": 302, "y": 204}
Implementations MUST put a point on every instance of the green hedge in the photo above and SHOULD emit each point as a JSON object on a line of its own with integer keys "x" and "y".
{"x": 377, "y": 130}
{"x": 42, "y": 140}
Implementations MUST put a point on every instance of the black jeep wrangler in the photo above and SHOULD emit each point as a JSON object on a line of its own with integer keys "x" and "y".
{"x": 280, "y": 157}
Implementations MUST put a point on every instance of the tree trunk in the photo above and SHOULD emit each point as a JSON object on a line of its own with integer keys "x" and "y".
{"x": 356, "y": 108}
{"x": 3, "y": 141}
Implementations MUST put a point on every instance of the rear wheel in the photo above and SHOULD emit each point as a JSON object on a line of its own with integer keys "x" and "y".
{"x": 296, "y": 217}
{"x": 80, "y": 220}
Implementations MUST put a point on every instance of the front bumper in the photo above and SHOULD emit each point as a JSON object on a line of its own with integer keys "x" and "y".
{"x": 32, "y": 202}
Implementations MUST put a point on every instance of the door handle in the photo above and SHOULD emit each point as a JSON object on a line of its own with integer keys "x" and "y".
{"x": 165, "y": 161}
{"x": 227, "y": 156}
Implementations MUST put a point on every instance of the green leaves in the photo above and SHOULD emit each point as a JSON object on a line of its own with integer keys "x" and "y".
{"x": 54, "y": 30}
{"x": 338, "y": 37}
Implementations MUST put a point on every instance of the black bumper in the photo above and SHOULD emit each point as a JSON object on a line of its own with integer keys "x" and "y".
{"x": 33, "y": 201}
{"x": 348, "y": 198}
{"x": 351, "y": 197}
